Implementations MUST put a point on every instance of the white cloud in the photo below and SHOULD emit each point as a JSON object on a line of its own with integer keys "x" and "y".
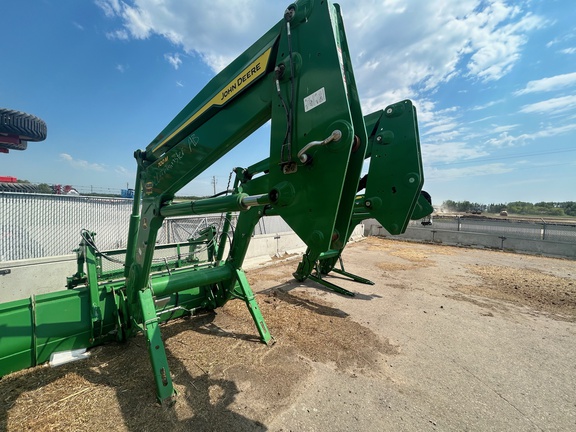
{"x": 138, "y": 21}
{"x": 556, "y": 105}
{"x": 398, "y": 48}
{"x": 561, "y": 39}
{"x": 428, "y": 43}
{"x": 124, "y": 172}
{"x": 429, "y": 116}
{"x": 174, "y": 60}
{"x": 118, "y": 34}
{"x": 450, "y": 152}
{"x": 81, "y": 164}
{"x": 214, "y": 30}
{"x": 481, "y": 119}
{"x": 121, "y": 68}
{"x": 444, "y": 126}
{"x": 497, "y": 46}
{"x": 110, "y": 7}
{"x": 549, "y": 84}
{"x": 506, "y": 140}
{"x": 78, "y": 26}
{"x": 487, "y": 105}
{"x": 467, "y": 172}
{"x": 504, "y": 128}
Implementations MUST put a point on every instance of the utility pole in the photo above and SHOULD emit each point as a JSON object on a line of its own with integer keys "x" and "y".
{"x": 214, "y": 181}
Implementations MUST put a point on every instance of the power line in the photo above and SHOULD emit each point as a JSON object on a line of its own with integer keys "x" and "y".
{"x": 506, "y": 157}
{"x": 535, "y": 167}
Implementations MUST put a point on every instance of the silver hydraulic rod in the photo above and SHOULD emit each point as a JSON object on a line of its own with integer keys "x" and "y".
{"x": 237, "y": 202}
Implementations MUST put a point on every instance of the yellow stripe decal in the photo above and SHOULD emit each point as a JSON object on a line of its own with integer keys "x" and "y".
{"x": 252, "y": 72}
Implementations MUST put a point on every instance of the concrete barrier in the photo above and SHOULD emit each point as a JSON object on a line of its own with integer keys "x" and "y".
{"x": 24, "y": 278}
{"x": 492, "y": 241}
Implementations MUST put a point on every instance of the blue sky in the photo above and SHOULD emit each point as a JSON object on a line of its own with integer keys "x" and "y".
{"x": 494, "y": 83}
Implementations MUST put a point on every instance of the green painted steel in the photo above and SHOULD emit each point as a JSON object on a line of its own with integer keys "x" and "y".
{"x": 183, "y": 279}
{"x": 395, "y": 176}
{"x": 320, "y": 208}
{"x": 384, "y": 168}
{"x": 393, "y": 187}
{"x": 31, "y": 330}
{"x": 298, "y": 75}
{"x": 206, "y": 206}
{"x": 245, "y": 292}
{"x": 422, "y": 208}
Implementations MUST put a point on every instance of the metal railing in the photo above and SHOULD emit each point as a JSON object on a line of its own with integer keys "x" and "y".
{"x": 510, "y": 228}
{"x": 37, "y": 226}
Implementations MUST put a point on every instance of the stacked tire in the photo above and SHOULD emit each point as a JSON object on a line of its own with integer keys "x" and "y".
{"x": 18, "y": 128}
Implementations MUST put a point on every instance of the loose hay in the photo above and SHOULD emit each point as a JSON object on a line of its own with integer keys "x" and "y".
{"x": 544, "y": 292}
{"x": 226, "y": 379}
{"x": 391, "y": 266}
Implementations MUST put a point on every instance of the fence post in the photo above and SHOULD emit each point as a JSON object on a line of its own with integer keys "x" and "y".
{"x": 459, "y": 223}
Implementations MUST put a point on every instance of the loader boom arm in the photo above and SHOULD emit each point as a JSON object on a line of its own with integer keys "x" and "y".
{"x": 298, "y": 76}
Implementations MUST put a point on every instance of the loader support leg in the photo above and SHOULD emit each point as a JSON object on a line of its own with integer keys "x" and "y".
{"x": 352, "y": 276}
{"x": 95, "y": 311}
{"x": 164, "y": 388}
{"x": 329, "y": 285}
{"x": 248, "y": 296}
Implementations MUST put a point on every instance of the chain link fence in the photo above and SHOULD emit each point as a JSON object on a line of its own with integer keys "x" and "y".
{"x": 37, "y": 226}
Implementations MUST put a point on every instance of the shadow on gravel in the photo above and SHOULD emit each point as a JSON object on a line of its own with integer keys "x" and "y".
{"x": 114, "y": 390}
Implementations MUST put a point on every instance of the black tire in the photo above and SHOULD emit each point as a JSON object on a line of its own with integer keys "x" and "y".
{"x": 426, "y": 196}
{"x": 26, "y": 126}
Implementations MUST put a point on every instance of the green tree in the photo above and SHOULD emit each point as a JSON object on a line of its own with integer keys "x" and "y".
{"x": 45, "y": 188}
{"x": 449, "y": 205}
{"x": 496, "y": 208}
{"x": 569, "y": 207}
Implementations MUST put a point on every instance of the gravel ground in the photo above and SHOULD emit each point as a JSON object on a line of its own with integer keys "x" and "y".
{"x": 447, "y": 339}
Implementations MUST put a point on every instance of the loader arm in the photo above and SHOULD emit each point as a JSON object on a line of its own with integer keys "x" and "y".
{"x": 395, "y": 178}
{"x": 298, "y": 76}
{"x": 393, "y": 185}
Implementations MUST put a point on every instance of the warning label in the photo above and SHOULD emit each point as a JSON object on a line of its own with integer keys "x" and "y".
{"x": 315, "y": 99}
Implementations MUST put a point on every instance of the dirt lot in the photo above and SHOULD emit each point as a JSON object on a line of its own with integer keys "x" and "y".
{"x": 447, "y": 339}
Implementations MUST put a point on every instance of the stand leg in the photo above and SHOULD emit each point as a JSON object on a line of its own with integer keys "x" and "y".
{"x": 353, "y": 277}
{"x": 164, "y": 388}
{"x": 248, "y": 296}
{"x": 331, "y": 286}
{"x": 350, "y": 275}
